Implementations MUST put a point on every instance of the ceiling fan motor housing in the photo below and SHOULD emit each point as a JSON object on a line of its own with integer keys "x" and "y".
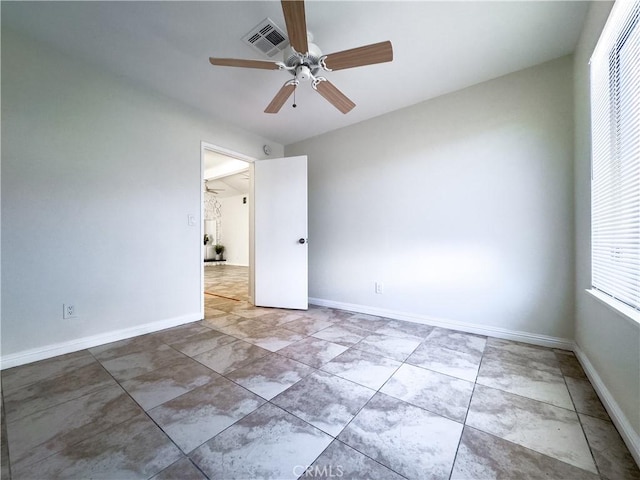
{"x": 292, "y": 59}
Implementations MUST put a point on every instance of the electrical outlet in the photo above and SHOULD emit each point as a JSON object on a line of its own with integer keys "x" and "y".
{"x": 69, "y": 311}
{"x": 379, "y": 288}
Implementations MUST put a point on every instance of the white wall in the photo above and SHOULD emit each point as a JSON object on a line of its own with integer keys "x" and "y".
{"x": 462, "y": 206}
{"x": 98, "y": 179}
{"x": 610, "y": 343}
{"x": 234, "y": 229}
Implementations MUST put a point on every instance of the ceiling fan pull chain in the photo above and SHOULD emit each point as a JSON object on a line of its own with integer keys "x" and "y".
{"x": 294, "y": 93}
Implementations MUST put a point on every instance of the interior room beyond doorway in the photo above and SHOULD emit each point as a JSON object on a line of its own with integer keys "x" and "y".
{"x": 226, "y": 183}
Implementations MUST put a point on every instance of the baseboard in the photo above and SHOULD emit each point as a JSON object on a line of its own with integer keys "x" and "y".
{"x": 48, "y": 351}
{"x": 515, "y": 335}
{"x": 629, "y": 435}
{"x": 231, "y": 264}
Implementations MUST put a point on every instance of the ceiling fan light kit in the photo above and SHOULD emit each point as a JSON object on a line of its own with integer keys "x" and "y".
{"x": 304, "y": 59}
{"x": 303, "y": 73}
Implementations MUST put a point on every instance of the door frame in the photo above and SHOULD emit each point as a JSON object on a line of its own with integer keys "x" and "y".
{"x": 204, "y": 146}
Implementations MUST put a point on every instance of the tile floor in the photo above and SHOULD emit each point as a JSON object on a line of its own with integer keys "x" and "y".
{"x": 266, "y": 393}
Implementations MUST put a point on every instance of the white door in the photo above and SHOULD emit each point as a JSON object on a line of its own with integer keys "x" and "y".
{"x": 280, "y": 233}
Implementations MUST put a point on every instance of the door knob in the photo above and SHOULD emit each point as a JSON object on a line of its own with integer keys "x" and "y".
{"x": 302, "y": 241}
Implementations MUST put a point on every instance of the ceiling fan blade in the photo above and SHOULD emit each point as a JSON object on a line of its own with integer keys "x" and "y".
{"x": 334, "y": 96}
{"x": 358, "y": 57}
{"x": 281, "y": 97}
{"x": 235, "y": 62}
{"x": 295, "y": 19}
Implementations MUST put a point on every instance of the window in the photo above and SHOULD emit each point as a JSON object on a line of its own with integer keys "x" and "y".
{"x": 615, "y": 183}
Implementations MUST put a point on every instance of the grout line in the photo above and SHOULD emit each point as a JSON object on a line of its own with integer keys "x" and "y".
{"x": 584, "y": 433}
{"x": 466, "y": 415}
{"x": 143, "y": 410}
{"x": 101, "y": 431}
{"x": 197, "y": 467}
{"x": 335, "y": 438}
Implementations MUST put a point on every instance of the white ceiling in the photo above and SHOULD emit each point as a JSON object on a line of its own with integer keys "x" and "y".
{"x": 439, "y": 47}
{"x": 230, "y": 186}
{"x": 227, "y": 175}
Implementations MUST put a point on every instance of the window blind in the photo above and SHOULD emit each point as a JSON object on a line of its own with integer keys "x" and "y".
{"x": 615, "y": 133}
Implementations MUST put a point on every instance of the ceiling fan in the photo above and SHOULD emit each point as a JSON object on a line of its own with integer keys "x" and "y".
{"x": 208, "y": 189}
{"x": 304, "y": 60}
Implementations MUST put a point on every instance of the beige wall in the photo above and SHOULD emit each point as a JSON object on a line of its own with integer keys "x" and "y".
{"x": 98, "y": 180}
{"x": 462, "y": 206}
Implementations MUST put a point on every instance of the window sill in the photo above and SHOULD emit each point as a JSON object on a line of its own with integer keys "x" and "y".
{"x": 620, "y": 308}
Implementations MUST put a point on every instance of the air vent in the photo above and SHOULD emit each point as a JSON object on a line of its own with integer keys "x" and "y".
{"x": 267, "y": 38}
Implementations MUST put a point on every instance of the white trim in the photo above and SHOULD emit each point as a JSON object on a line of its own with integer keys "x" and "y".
{"x": 200, "y": 242}
{"x": 227, "y": 152}
{"x": 629, "y": 435}
{"x": 48, "y": 351}
{"x": 515, "y": 335}
{"x": 623, "y": 310}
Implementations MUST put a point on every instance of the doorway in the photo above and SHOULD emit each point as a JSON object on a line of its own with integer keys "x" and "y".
{"x": 226, "y": 209}
{"x": 277, "y": 209}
